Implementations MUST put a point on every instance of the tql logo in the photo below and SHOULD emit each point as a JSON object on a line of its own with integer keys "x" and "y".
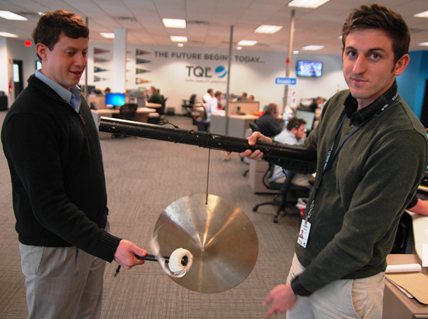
{"x": 206, "y": 71}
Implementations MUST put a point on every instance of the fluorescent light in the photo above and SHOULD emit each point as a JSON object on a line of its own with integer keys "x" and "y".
{"x": 107, "y": 35}
{"x": 423, "y": 44}
{"x": 295, "y": 52}
{"x": 180, "y": 45}
{"x": 11, "y": 16}
{"x": 247, "y": 43}
{"x": 8, "y": 35}
{"x": 421, "y": 14}
{"x": 238, "y": 48}
{"x": 313, "y": 47}
{"x": 174, "y": 23}
{"x": 307, "y": 3}
{"x": 176, "y": 38}
{"x": 265, "y": 28}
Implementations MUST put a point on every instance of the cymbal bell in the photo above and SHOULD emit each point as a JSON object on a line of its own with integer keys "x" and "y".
{"x": 218, "y": 234}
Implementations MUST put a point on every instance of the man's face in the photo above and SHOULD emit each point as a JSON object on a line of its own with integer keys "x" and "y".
{"x": 299, "y": 132}
{"x": 66, "y": 62}
{"x": 368, "y": 64}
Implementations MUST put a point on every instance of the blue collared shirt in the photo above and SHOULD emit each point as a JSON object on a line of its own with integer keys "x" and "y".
{"x": 71, "y": 96}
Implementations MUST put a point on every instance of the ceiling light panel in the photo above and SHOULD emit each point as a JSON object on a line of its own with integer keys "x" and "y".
{"x": 8, "y": 35}
{"x": 11, "y": 16}
{"x": 107, "y": 35}
{"x": 269, "y": 29}
{"x": 313, "y": 47}
{"x": 174, "y": 23}
{"x": 423, "y": 14}
{"x": 176, "y": 38}
{"x": 247, "y": 43}
{"x": 307, "y": 3}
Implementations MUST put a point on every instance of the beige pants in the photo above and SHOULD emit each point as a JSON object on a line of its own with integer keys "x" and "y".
{"x": 341, "y": 299}
{"x": 62, "y": 282}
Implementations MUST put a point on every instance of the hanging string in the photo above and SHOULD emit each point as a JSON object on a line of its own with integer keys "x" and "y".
{"x": 208, "y": 176}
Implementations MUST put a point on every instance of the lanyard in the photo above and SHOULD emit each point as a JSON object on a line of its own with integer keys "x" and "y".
{"x": 334, "y": 150}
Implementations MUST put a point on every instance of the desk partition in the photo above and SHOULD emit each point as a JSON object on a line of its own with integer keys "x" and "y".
{"x": 239, "y": 108}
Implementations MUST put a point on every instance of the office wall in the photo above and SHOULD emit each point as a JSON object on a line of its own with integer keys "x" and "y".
{"x": 180, "y": 72}
{"x": 411, "y": 83}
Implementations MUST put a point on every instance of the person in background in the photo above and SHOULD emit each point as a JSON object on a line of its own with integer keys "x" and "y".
{"x": 207, "y": 96}
{"x": 354, "y": 208}
{"x": 155, "y": 97}
{"x": 59, "y": 193}
{"x": 268, "y": 123}
{"x": 243, "y": 97}
{"x": 294, "y": 134}
{"x": 420, "y": 207}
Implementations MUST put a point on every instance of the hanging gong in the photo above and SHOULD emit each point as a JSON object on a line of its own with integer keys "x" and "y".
{"x": 219, "y": 236}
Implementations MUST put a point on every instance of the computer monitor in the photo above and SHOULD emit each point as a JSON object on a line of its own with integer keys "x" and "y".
{"x": 115, "y": 99}
{"x": 309, "y": 118}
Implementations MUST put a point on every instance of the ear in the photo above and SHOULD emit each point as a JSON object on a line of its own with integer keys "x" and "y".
{"x": 401, "y": 64}
{"x": 41, "y": 51}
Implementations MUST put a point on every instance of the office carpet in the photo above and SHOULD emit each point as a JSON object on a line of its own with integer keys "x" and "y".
{"x": 143, "y": 177}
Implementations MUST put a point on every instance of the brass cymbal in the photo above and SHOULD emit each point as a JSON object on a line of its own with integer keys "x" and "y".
{"x": 220, "y": 237}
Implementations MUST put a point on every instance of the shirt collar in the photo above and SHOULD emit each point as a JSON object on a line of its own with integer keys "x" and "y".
{"x": 360, "y": 116}
{"x": 72, "y": 96}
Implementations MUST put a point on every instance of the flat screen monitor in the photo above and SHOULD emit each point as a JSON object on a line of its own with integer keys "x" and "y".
{"x": 115, "y": 99}
{"x": 306, "y": 68}
{"x": 309, "y": 118}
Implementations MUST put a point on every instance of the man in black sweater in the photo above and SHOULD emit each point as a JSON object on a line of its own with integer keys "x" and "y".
{"x": 268, "y": 123}
{"x": 59, "y": 192}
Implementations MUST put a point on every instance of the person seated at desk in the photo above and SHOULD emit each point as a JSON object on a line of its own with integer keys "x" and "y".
{"x": 268, "y": 123}
{"x": 404, "y": 234}
{"x": 294, "y": 134}
{"x": 419, "y": 206}
{"x": 155, "y": 97}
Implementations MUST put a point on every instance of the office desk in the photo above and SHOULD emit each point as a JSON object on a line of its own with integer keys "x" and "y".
{"x": 141, "y": 115}
{"x": 238, "y": 124}
{"x": 396, "y": 305}
{"x": 153, "y": 105}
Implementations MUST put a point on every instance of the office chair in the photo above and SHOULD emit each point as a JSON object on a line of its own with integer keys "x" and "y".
{"x": 287, "y": 196}
{"x": 161, "y": 109}
{"x": 126, "y": 112}
{"x": 189, "y": 105}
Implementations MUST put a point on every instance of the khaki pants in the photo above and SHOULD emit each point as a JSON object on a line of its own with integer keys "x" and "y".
{"x": 341, "y": 299}
{"x": 62, "y": 282}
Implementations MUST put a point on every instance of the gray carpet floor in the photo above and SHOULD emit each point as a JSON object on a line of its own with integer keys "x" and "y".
{"x": 143, "y": 177}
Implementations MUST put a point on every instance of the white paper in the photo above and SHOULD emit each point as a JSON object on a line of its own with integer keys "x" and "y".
{"x": 403, "y": 268}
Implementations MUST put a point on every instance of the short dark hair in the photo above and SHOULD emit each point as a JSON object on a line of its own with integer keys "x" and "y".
{"x": 295, "y": 122}
{"x": 53, "y": 23}
{"x": 271, "y": 107}
{"x": 379, "y": 17}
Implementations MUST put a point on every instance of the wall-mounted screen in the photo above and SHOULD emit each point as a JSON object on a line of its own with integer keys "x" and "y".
{"x": 115, "y": 99}
{"x": 308, "y": 68}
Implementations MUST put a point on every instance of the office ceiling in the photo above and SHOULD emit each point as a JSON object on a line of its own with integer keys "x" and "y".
{"x": 209, "y": 21}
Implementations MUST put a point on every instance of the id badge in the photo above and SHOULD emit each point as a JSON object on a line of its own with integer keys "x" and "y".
{"x": 305, "y": 228}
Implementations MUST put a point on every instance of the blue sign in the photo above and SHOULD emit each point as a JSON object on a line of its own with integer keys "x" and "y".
{"x": 286, "y": 81}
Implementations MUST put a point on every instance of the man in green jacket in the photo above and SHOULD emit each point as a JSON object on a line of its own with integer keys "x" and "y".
{"x": 372, "y": 153}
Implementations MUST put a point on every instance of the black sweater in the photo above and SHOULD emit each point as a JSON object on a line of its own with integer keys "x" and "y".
{"x": 55, "y": 162}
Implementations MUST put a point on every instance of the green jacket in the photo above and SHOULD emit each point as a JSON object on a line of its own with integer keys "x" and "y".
{"x": 361, "y": 197}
